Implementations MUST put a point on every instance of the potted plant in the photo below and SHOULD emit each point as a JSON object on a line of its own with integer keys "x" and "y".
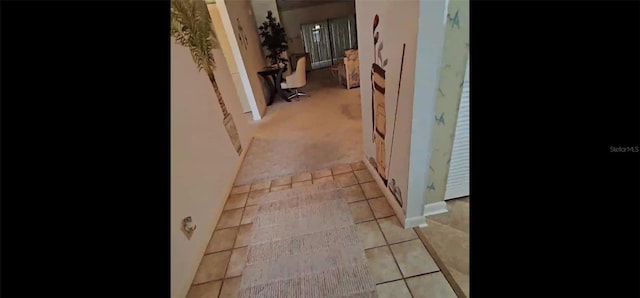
{"x": 274, "y": 39}
{"x": 191, "y": 27}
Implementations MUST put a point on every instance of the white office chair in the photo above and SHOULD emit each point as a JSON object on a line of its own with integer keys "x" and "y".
{"x": 297, "y": 79}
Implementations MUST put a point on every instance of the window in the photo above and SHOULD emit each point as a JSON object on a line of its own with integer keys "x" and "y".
{"x": 325, "y": 42}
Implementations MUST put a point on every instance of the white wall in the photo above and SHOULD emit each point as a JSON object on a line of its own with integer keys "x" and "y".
{"x": 223, "y": 40}
{"x": 451, "y": 80}
{"x": 292, "y": 19}
{"x": 260, "y": 9}
{"x": 430, "y": 47}
{"x": 398, "y": 25}
{"x": 203, "y": 161}
{"x": 240, "y": 13}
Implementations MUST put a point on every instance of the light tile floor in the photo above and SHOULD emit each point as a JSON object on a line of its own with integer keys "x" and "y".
{"x": 397, "y": 259}
{"x": 448, "y": 237}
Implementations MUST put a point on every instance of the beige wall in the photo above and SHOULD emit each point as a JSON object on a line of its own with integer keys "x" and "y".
{"x": 292, "y": 19}
{"x": 203, "y": 160}
{"x": 225, "y": 46}
{"x": 429, "y": 55}
{"x": 240, "y": 12}
{"x": 398, "y": 25}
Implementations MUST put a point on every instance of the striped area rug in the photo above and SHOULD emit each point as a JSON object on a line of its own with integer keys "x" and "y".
{"x": 304, "y": 244}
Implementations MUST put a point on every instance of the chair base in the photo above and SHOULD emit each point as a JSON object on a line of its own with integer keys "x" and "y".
{"x": 296, "y": 94}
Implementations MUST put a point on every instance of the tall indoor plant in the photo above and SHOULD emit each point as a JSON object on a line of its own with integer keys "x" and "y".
{"x": 274, "y": 39}
{"x": 191, "y": 27}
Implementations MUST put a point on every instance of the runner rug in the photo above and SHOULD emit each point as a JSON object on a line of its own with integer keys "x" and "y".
{"x": 304, "y": 244}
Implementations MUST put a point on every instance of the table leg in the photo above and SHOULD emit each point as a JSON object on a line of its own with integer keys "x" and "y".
{"x": 272, "y": 89}
{"x": 278, "y": 79}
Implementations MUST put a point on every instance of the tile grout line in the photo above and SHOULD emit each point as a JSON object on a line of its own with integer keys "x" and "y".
{"x": 243, "y": 205}
{"x": 205, "y": 282}
{"x": 445, "y": 272}
{"x": 238, "y": 226}
{"x": 203, "y": 255}
{"x": 234, "y": 226}
{"x": 370, "y": 207}
{"x": 300, "y": 173}
{"x": 404, "y": 279}
{"x": 389, "y": 281}
{"x": 404, "y": 241}
{"x": 224, "y": 250}
{"x": 374, "y": 218}
{"x": 421, "y": 274}
{"x": 392, "y": 255}
{"x": 210, "y": 253}
{"x": 374, "y": 214}
{"x": 233, "y": 246}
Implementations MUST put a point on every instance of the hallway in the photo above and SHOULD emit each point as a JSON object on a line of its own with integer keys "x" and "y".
{"x": 316, "y": 132}
{"x": 317, "y": 139}
{"x": 397, "y": 259}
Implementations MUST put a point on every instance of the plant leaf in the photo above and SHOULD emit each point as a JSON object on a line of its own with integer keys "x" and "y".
{"x": 376, "y": 21}
{"x": 191, "y": 27}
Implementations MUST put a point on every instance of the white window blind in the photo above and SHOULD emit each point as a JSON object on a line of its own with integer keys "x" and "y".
{"x": 458, "y": 180}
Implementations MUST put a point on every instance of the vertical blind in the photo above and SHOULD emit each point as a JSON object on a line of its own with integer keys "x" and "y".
{"x": 343, "y": 35}
{"x": 316, "y": 39}
{"x": 326, "y": 41}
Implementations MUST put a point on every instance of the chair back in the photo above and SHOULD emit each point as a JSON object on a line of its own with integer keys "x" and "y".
{"x": 300, "y": 75}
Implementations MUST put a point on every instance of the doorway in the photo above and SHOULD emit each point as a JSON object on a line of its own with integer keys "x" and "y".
{"x": 225, "y": 45}
{"x": 325, "y": 41}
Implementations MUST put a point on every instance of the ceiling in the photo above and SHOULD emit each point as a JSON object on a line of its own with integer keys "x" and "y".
{"x": 294, "y": 4}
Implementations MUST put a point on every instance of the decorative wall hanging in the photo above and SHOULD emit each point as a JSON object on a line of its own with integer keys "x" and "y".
{"x": 241, "y": 36}
{"x": 378, "y": 109}
{"x": 191, "y": 27}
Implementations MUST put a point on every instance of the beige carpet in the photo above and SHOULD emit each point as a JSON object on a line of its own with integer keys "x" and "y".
{"x": 304, "y": 244}
{"x": 317, "y": 132}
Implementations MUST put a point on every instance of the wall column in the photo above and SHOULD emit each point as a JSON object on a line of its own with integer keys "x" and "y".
{"x": 430, "y": 44}
{"x": 452, "y": 74}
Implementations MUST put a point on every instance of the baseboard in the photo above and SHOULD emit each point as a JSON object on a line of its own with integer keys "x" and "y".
{"x": 435, "y": 208}
{"x": 239, "y": 165}
{"x": 416, "y": 221}
{"x": 387, "y": 193}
